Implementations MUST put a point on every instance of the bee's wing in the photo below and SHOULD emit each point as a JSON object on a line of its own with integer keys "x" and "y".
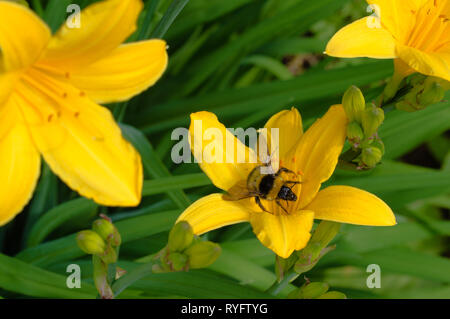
{"x": 268, "y": 154}
{"x": 237, "y": 192}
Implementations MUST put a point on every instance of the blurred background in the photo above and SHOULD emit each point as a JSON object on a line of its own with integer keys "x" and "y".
{"x": 245, "y": 60}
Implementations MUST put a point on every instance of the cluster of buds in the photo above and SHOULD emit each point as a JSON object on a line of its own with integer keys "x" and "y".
{"x": 315, "y": 290}
{"x": 102, "y": 242}
{"x": 362, "y": 130}
{"x": 185, "y": 251}
{"x": 304, "y": 260}
{"x": 424, "y": 92}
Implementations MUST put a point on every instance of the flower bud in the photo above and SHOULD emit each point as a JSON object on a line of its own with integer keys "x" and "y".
{"x": 325, "y": 233}
{"x": 310, "y": 291}
{"x": 378, "y": 143}
{"x": 407, "y": 106}
{"x": 180, "y": 236}
{"x": 109, "y": 256}
{"x": 417, "y": 79}
{"x": 371, "y": 156}
{"x": 203, "y": 254}
{"x": 433, "y": 93}
{"x": 371, "y": 119}
{"x": 107, "y": 231}
{"x": 90, "y": 242}
{"x": 333, "y": 295}
{"x": 353, "y": 103}
{"x": 177, "y": 261}
{"x": 355, "y": 133}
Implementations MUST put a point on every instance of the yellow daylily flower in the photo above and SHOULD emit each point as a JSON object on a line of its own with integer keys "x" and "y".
{"x": 49, "y": 90}
{"x": 313, "y": 156}
{"x": 413, "y": 32}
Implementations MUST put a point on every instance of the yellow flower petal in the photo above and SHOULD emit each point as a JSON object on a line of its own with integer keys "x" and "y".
{"x": 289, "y": 123}
{"x": 358, "y": 40}
{"x": 398, "y": 16}
{"x": 317, "y": 154}
{"x": 125, "y": 72}
{"x": 104, "y": 26}
{"x": 81, "y": 142}
{"x": 212, "y": 212}
{"x": 351, "y": 205}
{"x": 224, "y": 167}
{"x": 434, "y": 63}
{"x": 19, "y": 169}
{"x": 283, "y": 233}
{"x": 23, "y": 36}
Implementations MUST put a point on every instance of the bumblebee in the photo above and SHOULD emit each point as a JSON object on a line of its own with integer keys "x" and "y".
{"x": 270, "y": 187}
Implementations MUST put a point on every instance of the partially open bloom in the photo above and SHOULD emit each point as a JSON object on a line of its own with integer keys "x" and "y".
{"x": 312, "y": 155}
{"x": 49, "y": 90}
{"x": 413, "y": 32}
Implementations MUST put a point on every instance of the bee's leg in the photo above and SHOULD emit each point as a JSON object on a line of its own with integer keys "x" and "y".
{"x": 279, "y": 204}
{"x": 258, "y": 201}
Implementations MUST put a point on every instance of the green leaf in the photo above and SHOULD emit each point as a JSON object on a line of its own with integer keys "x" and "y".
{"x": 130, "y": 229}
{"x": 55, "y": 13}
{"x": 29, "y": 280}
{"x": 152, "y": 163}
{"x": 266, "y": 96}
{"x": 403, "y": 131}
{"x": 174, "y": 182}
{"x": 79, "y": 208}
{"x": 169, "y": 16}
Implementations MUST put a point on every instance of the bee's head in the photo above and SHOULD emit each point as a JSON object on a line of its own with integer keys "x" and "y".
{"x": 287, "y": 194}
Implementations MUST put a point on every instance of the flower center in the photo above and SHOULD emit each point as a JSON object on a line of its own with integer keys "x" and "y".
{"x": 431, "y": 28}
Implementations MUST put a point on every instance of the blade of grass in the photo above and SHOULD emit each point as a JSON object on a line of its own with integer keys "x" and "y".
{"x": 169, "y": 16}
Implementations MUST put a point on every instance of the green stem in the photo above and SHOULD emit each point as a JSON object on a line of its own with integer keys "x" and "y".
{"x": 277, "y": 287}
{"x": 127, "y": 280}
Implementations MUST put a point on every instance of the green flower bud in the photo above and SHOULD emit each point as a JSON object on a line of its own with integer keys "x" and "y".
{"x": 417, "y": 79}
{"x": 378, "y": 143}
{"x": 371, "y": 119}
{"x": 310, "y": 291}
{"x": 177, "y": 261}
{"x": 333, "y": 295}
{"x": 180, "y": 236}
{"x": 354, "y": 103}
{"x": 433, "y": 93}
{"x": 203, "y": 254}
{"x": 355, "y": 133}
{"x": 109, "y": 256}
{"x": 407, "y": 106}
{"x": 371, "y": 156}
{"x": 107, "y": 231}
{"x": 90, "y": 242}
{"x": 325, "y": 233}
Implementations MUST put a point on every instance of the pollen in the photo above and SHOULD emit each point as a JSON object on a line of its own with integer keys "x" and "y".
{"x": 77, "y": 114}
{"x": 64, "y": 95}
{"x": 49, "y": 119}
{"x": 67, "y": 75}
{"x": 82, "y": 93}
